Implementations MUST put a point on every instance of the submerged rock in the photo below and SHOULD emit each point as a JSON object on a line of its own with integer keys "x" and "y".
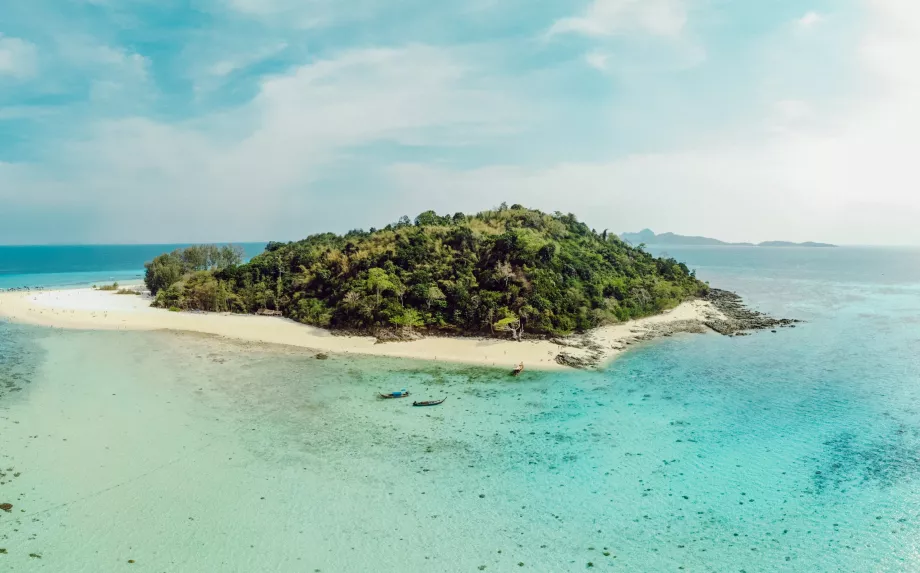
{"x": 7, "y": 507}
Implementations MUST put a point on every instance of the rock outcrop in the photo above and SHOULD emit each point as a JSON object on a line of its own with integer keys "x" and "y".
{"x": 739, "y": 319}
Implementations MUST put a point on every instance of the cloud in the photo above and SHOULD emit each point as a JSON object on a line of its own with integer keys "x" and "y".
{"x": 301, "y": 14}
{"x": 18, "y": 58}
{"x": 631, "y": 36}
{"x": 597, "y": 60}
{"x": 255, "y": 169}
{"x": 129, "y": 128}
{"x": 679, "y": 191}
{"x": 230, "y": 65}
{"x": 666, "y": 18}
{"x": 841, "y": 169}
{"x": 809, "y": 20}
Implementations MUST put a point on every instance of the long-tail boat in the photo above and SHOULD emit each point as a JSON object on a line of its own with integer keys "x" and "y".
{"x": 398, "y": 394}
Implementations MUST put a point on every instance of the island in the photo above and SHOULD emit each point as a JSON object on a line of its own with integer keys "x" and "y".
{"x": 511, "y": 271}
{"x": 648, "y": 237}
{"x": 496, "y": 288}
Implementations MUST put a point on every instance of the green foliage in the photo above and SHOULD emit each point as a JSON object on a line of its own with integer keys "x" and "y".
{"x": 113, "y": 286}
{"x": 169, "y": 268}
{"x": 511, "y": 270}
{"x": 312, "y": 311}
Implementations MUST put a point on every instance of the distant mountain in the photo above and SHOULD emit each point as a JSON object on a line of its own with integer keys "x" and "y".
{"x": 648, "y": 237}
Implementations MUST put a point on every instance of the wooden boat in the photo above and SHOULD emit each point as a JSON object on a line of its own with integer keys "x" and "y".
{"x": 400, "y": 394}
{"x": 518, "y": 369}
{"x": 429, "y": 402}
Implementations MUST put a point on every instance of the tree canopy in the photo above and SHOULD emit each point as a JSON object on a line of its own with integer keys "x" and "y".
{"x": 508, "y": 271}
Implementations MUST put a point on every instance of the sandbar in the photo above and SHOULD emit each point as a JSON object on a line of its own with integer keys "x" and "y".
{"x": 90, "y": 309}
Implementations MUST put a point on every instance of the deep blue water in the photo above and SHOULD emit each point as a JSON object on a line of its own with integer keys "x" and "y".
{"x": 73, "y": 265}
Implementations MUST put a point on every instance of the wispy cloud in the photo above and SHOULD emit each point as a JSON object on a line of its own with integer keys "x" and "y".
{"x": 276, "y": 146}
{"x": 226, "y": 67}
{"x": 301, "y": 14}
{"x": 628, "y": 35}
{"x": 609, "y": 17}
{"x": 232, "y": 118}
{"x": 789, "y": 174}
{"x": 810, "y": 19}
{"x": 597, "y": 60}
{"x": 18, "y": 58}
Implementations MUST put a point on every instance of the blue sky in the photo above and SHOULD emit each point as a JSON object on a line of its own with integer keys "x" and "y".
{"x": 212, "y": 120}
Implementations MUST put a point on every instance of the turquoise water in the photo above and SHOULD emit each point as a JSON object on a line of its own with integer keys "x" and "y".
{"x": 74, "y": 265}
{"x": 795, "y": 451}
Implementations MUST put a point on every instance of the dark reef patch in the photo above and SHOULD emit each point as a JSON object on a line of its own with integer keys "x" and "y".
{"x": 851, "y": 462}
{"x": 18, "y": 356}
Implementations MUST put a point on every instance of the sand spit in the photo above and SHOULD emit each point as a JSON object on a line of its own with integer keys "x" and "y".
{"x": 89, "y": 309}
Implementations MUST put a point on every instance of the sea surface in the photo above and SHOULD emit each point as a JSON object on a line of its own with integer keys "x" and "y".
{"x": 79, "y": 265}
{"x": 793, "y": 451}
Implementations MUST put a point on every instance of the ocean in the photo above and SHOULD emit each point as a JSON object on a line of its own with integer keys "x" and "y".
{"x": 793, "y": 451}
{"x": 62, "y": 266}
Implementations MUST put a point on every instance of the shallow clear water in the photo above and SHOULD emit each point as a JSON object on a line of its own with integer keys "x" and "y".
{"x": 795, "y": 451}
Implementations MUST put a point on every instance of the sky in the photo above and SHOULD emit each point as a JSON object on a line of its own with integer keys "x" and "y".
{"x": 155, "y": 121}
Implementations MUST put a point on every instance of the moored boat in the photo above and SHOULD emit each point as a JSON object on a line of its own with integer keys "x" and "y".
{"x": 518, "y": 369}
{"x": 398, "y": 394}
{"x": 429, "y": 402}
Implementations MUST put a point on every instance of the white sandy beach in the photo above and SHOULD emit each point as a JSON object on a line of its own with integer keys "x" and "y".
{"x": 90, "y": 309}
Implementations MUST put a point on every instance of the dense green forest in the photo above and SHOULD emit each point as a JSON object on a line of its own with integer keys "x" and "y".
{"x": 511, "y": 271}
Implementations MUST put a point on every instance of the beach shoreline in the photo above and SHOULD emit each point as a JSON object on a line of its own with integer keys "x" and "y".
{"x": 89, "y": 309}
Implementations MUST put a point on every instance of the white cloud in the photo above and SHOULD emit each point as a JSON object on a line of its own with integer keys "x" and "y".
{"x": 809, "y": 20}
{"x": 843, "y": 171}
{"x": 253, "y": 169}
{"x": 597, "y": 60}
{"x": 666, "y": 18}
{"x": 18, "y": 58}
{"x": 297, "y": 13}
{"x": 606, "y": 23}
{"x": 229, "y": 65}
{"x": 681, "y": 192}
{"x": 790, "y": 115}
{"x": 87, "y": 52}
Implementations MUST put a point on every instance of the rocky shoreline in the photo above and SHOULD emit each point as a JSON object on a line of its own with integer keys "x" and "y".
{"x": 731, "y": 318}
{"x": 739, "y": 320}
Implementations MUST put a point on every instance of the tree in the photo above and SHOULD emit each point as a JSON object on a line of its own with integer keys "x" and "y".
{"x": 505, "y": 270}
{"x": 312, "y": 311}
{"x": 230, "y": 255}
{"x": 428, "y": 218}
{"x": 434, "y": 295}
{"x": 162, "y": 272}
{"x": 379, "y": 281}
{"x": 408, "y": 318}
{"x": 511, "y": 324}
{"x": 168, "y": 268}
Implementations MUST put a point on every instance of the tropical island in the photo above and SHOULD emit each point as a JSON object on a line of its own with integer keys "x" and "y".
{"x": 511, "y": 271}
{"x": 648, "y": 237}
{"x": 497, "y": 288}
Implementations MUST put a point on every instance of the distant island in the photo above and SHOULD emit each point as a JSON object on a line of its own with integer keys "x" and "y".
{"x": 506, "y": 272}
{"x": 648, "y": 237}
